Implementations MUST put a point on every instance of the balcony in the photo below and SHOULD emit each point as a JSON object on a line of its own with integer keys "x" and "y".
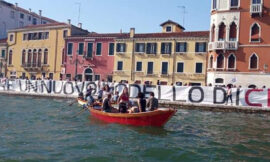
{"x": 223, "y": 45}
{"x": 256, "y": 9}
{"x": 33, "y": 66}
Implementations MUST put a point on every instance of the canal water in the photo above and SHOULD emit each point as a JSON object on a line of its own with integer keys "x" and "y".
{"x": 41, "y": 129}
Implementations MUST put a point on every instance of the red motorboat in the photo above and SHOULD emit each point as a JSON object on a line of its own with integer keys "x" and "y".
{"x": 155, "y": 118}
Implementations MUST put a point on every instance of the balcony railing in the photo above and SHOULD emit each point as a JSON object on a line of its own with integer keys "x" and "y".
{"x": 256, "y": 9}
{"x": 223, "y": 45}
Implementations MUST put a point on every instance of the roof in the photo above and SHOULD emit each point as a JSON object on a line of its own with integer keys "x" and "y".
{"x": 101, "y": 35}
{"x": 27, "y": 11}
{"x": 176, "y": 34}
{"x": 172, "y": 22}
{"x": 42, "y": 25}
{"x": 3, "y": 40}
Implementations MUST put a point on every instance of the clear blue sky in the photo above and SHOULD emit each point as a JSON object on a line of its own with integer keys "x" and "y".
{"x": 105, "y": 16}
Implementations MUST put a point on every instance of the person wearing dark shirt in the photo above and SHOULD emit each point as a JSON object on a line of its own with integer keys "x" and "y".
{"x": 141, "y": 102}
{"x": 106, "y": 105}
{"x": 152, "y": 102}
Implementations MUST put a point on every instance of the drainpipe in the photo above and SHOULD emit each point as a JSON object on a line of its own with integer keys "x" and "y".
{"x": 132, "y": 33}
{"x": 174, "y": 62}
{"x": 56, "y": 51}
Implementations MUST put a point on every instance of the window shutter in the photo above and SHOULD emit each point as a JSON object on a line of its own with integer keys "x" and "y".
{"x": 204, "y": 47}
{"x": 118, "y": 47}
{"x": 185, "y": 47}
{"x": 177, "y": 48}
{"x": 197, "y": 47}
{"x": 155, "y": 46}
{"x": 124, "y": 47}
{"x": 170, "y": 48}
{"x": 148, "y": 47}
{"x": 162, "y": 48}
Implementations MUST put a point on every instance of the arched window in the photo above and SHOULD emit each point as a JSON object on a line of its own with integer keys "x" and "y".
{"x": 233, "y": 32}
{"x": 45, "y": 59}
{"x": 222, "y": 32}
{"x": 88, "y": 74}
{"x": 34, "y": 64}
{"x": 10, "y": 57}
{"x": 213, "y": 32}
{"x": 39, "y": 57}
{"x": 231, "y": 62}
{"x": 23, "y": 57}
{"x": 220, "y": 61}
{"x": 253, "y": 62}
{"x": 29, "y": 58}
{"x": 255, "y": 33}
{"x": 88, "y": 71}
{"x": 211, "y": 60}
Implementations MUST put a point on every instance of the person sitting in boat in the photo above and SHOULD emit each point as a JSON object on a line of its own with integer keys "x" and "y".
{"x": 88, "y": 96}
{"x": 123, "y": 101}
{"x": 106, "y": 91}
{"x": 115, "y": 97}
{"x": 106, "y": 105}
{"x": 141, "y": 102}
{"x": 81, "y": 96}
{"x": 100, "y": 94}
{"x": 152, "y": 103}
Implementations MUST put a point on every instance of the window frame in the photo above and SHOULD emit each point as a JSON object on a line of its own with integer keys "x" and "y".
{"x": 70, "y": 54}
{"x": 250, "y": 33}
{"x": 177, "y": 47}
{"x": 196, "y": 67}
{"x": 137, "y": 47}
{"x": 258, "y": 61}
{"x": 183, "y": 67}
{"x": 79, "y": 48}
{"x": 99, "y": 54}
{"x": 109, "y": 52}
{"x": 148, "y": 67}
{"x": 162, "y": 68}
{"x": 87, "y": 52}
{"x": 122, "y": 65}
{"x": 235, "y": 61}
{"x": 137, "y": 66}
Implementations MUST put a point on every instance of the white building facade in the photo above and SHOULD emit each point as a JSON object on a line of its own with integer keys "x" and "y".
{"x": 12, "y": 16}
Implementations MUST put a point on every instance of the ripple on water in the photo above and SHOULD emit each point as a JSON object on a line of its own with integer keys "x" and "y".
{"x": 38, "y": 129}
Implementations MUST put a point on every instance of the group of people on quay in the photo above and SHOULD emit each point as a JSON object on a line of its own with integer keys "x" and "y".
{"x": 108, "y": 97}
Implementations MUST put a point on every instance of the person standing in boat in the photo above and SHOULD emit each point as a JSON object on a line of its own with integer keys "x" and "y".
{"x": 106, "y": 105}
{"x": 152, "y": 103}
{"x": 123, "y": 101}
{"x": 106, "y": 91}
{"x": 229, "y": 94}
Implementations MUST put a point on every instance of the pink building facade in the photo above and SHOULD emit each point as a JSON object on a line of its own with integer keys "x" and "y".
{"x": 89, "y": 57}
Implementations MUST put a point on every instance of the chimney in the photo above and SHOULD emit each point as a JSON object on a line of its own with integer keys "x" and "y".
{"x": 132, "y": 32}
{"x": 16, "y": 5}
{"x": 80, "y": 25}
{"x": 40, "y": 12}
{"x": 69, "y": 21}
{"x": 30, "y": 10}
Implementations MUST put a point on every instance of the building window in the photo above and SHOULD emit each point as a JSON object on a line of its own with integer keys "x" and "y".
{"x": 139, "y": 66}
{"x": 70, "y": 49}
{"x": 45, "y": 60}
{"x": 111, "y": 49}
{"x": 180, "y": 67}
{"x": 12, "y": 14}
{"x": 200, "y": 47}
{"x": 214, "y": 5}
{"x": 79, "y": 77}
{"x": 10, "y": 57}
{"x": 233, "y": 32}
{"x": 255, "y": 33}
{"x": 21, "y": 24}
{"x": 211, "y": 61}
{"x": 121, "y": 47}
{"x": 222, "y": 32}
{"x": 29, "y": 18}
{"x": 34, "y": 21}
{"x": 51, "y": 76}
{"x": 213, "y": 33}
{"x": 166, "y": 48}
{"x": 253, "y": 62}
{"x": 164, "y": 68}
{"x": 34, "y": 63}
{"x": 219, "y": 81}
{"x": 68, "y": 76}
{"x": 119, "y": 66}
{"x": 81, "y": 48}
{"x": 220, "y": 61}
{"x": 89, "y": 50}
{"x": 151, "y": 48}
{"x": 21, "y": 15}
{"x": 150, "y": 68}
{"x": 234, "y": 3}
{"x": 231, "y": 62}
{"x": 65, "y": 33}
{"x": 11, "y": 37}
{"x": 181, "y": 47}
{"x": 39, "y": 57}
{"x": 169, "y": 29}
{"x": 97, "y": 77}
{"x": 199, "y": 68}
{"x": 29, "y": 58}
{"x": 3, "y": 53}
{"x": 99, "y": 49}
{"x": 256, "y": 1}
{"x": 140, "y": 47}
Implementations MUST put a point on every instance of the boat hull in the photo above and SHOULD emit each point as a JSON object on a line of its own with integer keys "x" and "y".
{"x": 82, "y": 102}
{"x": 154, "y": 118}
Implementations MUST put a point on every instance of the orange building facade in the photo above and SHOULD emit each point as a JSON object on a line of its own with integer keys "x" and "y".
{"x": 239, "y": 45}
